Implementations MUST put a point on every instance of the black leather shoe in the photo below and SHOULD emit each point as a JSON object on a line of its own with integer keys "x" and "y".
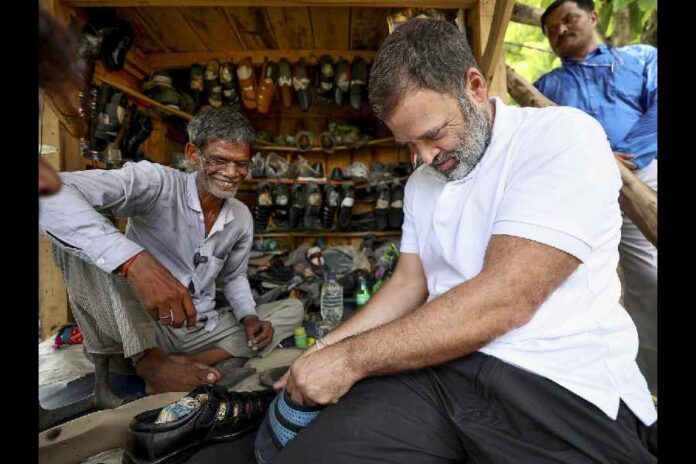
{"x": 263, "y": 208}
{"x": 224, "y": 416}
{"x": 139, "y": 130}
{"x": 382, "y": 206}
{"x": 313, "y": 203}
{"x": 281, "y": 206}
{"x": 297, "y": 206}
{"x": 116, "y": 41}
{"x": 328, "y": 211}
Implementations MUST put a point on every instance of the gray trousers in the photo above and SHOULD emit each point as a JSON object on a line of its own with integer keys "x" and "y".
{"x": 638, "y": 259}
{"x": 113, "y": 321}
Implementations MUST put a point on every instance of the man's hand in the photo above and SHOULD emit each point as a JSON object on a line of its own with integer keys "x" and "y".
{"x": 625, "y": 159}
{"x": 259, "y": 333}
{"x": 321, "y": 377}
{"x": 160, "y": 293}
{"x": 283, "y": 381}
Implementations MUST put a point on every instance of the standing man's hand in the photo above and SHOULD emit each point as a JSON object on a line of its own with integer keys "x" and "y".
{"x": 259, "y": 333}
{"x": 626, "y": 158}
{"x": 161, "y": 294}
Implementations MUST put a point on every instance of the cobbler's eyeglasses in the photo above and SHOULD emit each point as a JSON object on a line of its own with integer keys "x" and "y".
{"x": 242, "y": 167}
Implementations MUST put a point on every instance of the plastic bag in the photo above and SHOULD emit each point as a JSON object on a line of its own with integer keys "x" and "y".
{"x": 276, "y": 166}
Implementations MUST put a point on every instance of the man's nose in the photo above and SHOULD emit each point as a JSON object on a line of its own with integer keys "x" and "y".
{"x": 427, "y": 154}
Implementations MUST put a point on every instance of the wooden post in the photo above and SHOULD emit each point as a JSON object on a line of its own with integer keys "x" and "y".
{"x": 480, "y": 21}
{"x": 53, "y": 298}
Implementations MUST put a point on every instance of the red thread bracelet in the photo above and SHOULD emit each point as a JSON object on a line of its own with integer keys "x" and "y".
{"x": 128, "y": 264}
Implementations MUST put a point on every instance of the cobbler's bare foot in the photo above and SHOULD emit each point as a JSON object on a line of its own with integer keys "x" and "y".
{"x": 164, "y": 373}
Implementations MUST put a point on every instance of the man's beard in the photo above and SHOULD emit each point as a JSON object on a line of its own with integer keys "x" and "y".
{"x": 472, "y": 143}
{"x": 214, "y": 189}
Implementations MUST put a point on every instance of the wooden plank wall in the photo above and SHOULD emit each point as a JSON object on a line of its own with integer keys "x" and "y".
{"x": 53, "y": 298}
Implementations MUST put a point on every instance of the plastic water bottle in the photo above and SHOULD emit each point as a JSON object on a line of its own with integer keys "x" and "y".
{"x": 331, "y": 299}
{"x": 362, "y": 295}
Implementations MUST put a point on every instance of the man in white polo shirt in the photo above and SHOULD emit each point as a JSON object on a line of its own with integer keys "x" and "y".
{"x": 499, "y": 337}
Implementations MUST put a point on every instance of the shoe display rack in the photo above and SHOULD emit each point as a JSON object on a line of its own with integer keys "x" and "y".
{"x": 264, "y": 40}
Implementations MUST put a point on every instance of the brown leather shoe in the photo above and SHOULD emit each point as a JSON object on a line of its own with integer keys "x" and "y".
{"x": 285, "y": 81}
{"x": 247, "y": 82}
{"x": 267, "y": 86}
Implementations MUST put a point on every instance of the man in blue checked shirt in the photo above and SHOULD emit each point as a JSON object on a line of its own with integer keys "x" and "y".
{"x": 618, "y": 87}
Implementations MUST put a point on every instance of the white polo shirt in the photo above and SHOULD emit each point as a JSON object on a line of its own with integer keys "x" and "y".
{"x": 548, "y": 175}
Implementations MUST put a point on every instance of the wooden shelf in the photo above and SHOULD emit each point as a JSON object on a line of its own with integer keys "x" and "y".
{"x": 142, "y": 99}
{"x": 359, "y": 184}
{"x": 318, "y": 233}
{"x": 386, "y": 142}
{"x": 275, "y": 3}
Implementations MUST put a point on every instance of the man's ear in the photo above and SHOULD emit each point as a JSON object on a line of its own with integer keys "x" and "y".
{"x": 593, "y": 18}
{"x": 476, "y": 87}
{"x": 191, "y": 153}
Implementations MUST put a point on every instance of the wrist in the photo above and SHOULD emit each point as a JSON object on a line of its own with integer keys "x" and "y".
{"x": 125, "y": 268}
{"x": 249, "y": 319}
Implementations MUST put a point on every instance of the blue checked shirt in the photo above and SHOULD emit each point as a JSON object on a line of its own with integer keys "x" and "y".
{"x": 166, "y": 219}
{"x": 618, "y": 87}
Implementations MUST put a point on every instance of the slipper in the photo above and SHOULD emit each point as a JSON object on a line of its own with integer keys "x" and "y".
{"x": 228, "y": 80}
{"x": 337, "y": 174}
{"x": 325, "y": 89}
{"x": 210, "y": 77}
{"x": 196, "y": 78}
{"x": 300, "y": 82}
{"x": 357, "y": 83}
{"x": 285, "y": 82}
{"x": 327, "y": 141}
{"x": 247, "y": 82}
{"x": 159, "y": 87}
{"x": 304, "y": 140}
{"x": 269, "y": 77}
{"x": 342, "y": 80}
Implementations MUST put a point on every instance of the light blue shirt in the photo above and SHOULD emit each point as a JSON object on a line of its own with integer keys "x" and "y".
{"x": 166, "y": 219}
{"x": 618, "y": 87}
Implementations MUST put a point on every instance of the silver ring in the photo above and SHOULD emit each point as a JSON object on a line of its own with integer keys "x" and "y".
{"x": 165, "y": 317}
{"x": 171, "y": 314}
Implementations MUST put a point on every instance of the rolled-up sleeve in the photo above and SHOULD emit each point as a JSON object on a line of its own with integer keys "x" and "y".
{"x": 72, "y": 216}
{"x": 233, "y": 279}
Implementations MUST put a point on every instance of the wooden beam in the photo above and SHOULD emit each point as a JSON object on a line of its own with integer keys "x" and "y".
{"x": 480, "y": 20}
{"x": 141, "y": 99}
{"x": 53, "y": 298}
{"x": 184, "y": 60}
{"x": 496, "y": 37}
{"x": 637, "y": 200}
{"x": 525, "y": 14}
{"x": 279, "y": 3}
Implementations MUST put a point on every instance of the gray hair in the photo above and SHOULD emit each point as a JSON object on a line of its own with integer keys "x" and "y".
{"x": 222, "y": 123}
{"x": 419, "y": 54}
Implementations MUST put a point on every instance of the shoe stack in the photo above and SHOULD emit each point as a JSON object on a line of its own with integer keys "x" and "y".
{"x": 224, "y": 83}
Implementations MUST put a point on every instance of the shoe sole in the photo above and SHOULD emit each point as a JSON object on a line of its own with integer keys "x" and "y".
{"x": 182, "y": 456}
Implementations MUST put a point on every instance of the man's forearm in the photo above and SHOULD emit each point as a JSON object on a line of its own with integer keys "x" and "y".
{"x": 448, "y": 327}
{"x": 395, "y": 299}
